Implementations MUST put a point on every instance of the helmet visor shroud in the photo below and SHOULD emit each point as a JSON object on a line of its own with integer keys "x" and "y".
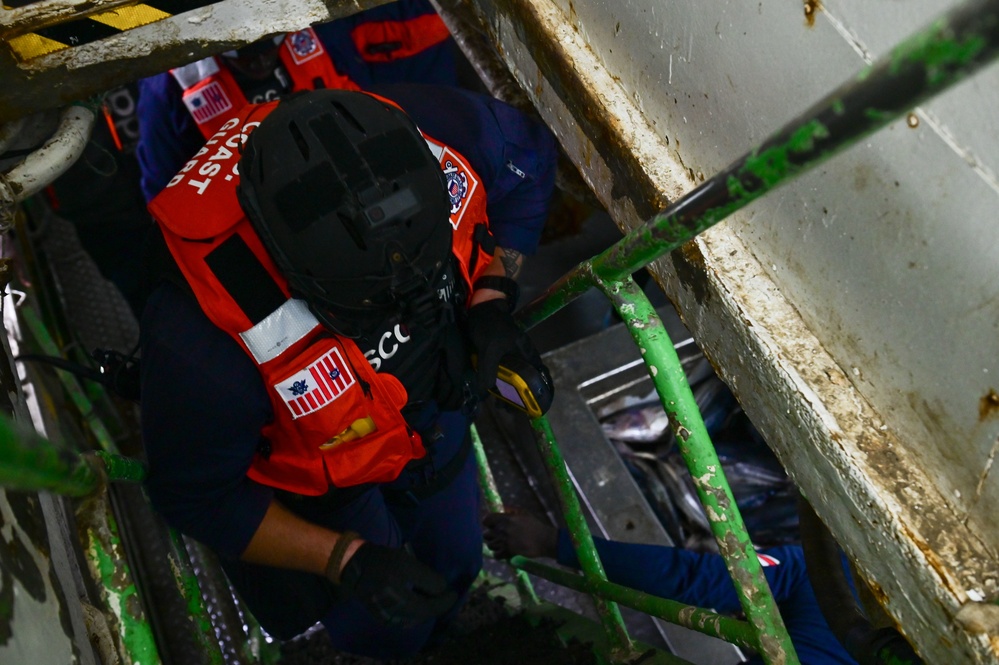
{"x": 352, "y": 206}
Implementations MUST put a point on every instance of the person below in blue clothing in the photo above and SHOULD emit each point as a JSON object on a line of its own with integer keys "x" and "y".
{"x": 333, "y": 263}
{"x": 688, "y": 577}
{"x": 399, "y": 42}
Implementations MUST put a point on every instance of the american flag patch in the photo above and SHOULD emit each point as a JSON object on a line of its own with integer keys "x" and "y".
{"x": 766, "y": 560}
{"x": 208, "y": 102}
{"x": 317, "y": 385}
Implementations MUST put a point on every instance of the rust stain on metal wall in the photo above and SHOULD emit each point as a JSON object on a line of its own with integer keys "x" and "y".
{"x": 812, "y": 7}
{"x": 878, "y": 592}
{"x": 688, "y": 263}
{"x": 988, "y": 405}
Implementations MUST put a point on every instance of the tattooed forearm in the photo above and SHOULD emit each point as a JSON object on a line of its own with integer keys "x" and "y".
{"x": 512, "y": 260}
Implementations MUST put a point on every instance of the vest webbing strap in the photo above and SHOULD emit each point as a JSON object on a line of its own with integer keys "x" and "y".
{"x": 245, "y": 278}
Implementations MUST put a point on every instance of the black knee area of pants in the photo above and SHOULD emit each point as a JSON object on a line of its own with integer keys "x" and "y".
{"x": 286, "y": 603}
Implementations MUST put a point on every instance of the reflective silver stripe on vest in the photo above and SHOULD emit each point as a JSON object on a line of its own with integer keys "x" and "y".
{"x": 435, "y": 148}
{"x": 193, "y": 73}
{"x": 283, "y": 327}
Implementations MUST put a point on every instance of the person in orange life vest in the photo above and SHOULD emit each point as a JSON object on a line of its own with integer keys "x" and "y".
{"x": 306, "y": 384}
{"x": 403, "y": 41}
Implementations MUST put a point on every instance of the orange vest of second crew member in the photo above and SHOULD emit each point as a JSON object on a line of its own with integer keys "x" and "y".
{"x": 211, "y": 93}
{"x": 336, "y": 421}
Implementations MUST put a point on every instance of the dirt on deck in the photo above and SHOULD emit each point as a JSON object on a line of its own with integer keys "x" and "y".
{"x": 485, "y": 633}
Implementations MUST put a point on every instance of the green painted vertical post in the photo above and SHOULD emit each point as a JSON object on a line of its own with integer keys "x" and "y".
{"x": 698, "y": 452}
{"x": 486, "y": 480}
{"x": 524, "y": 587}
{"x": 586, "y": 552}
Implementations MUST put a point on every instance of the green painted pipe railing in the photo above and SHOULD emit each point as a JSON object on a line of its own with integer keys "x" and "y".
{"x": 28, "y": 461}
{"x": 622, "y": 648}
{"x": 689, "y": 616}
{"x": 99, "y": 528}
{"x": 948, "y": 51}
{"x": 764, "y": 630}
{"x": 492, "y": 496}
{"x": 694, "y": 444}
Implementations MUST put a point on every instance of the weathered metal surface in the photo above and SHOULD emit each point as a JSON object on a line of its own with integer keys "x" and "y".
{"x": 39, "y": 578}
{"x": 37, "y": 15}
{"x": 30, "y": 594}
{"x": 79, "y": 72}
{"x": 643, "y": 131}
{"x": 106, "y": 557}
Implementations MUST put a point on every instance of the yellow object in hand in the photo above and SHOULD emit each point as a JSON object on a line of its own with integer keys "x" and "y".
{"x": 360, "y": 427}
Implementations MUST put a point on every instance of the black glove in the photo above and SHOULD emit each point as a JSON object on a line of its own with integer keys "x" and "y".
{"x": 394, "y": 586}
{"x": 495, "y": 334}
{"x": 514, "y": 532}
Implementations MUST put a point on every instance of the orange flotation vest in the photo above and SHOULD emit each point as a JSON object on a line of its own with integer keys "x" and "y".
{"x": 336, "y": 420}
{"x": 211, "y": 93}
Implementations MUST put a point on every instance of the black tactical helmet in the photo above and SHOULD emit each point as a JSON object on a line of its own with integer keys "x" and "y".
{"x": 351, "y": 204}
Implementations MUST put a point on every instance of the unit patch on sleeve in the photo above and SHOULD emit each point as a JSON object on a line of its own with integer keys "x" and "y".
{"x": 461, "y": 184}
{"x": 317, "y": 385}
{"x": 304, "y": 45}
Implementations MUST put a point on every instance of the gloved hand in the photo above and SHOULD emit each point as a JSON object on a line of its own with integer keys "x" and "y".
{"x": 514, "y": 532}
{"x": 394, "y": 586}
{"x": 495, "y": 334}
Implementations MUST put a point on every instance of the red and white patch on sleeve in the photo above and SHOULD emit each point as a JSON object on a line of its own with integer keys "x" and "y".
{"x": 461, "y": 184}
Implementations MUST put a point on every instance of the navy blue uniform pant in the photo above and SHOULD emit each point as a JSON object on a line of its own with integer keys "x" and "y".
{"x": 437, "y": 524}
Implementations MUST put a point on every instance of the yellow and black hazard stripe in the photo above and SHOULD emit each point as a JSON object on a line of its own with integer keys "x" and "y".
{"x": 94, "y": 27}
